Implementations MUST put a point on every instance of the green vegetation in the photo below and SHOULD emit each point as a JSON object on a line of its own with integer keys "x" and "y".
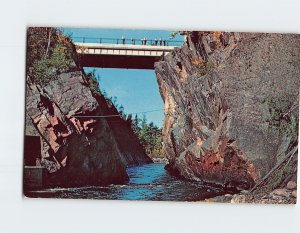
{"x": 93, "y": 82}
{"x": 49, "y": 52}
{"x": 182, "y": 33}
{"x": 283, "y": 113}
{"x": 149, "y": 135}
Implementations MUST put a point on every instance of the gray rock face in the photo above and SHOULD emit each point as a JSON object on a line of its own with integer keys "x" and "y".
{"x": 215, "y": 90}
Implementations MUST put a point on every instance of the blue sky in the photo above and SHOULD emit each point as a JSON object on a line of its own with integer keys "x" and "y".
{"x": 136, "y": 90}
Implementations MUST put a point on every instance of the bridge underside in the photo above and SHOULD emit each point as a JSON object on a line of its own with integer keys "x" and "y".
{"x": 120, "y": 61}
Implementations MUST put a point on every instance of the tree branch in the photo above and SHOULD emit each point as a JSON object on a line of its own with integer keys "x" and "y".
{"x": 48, "y": 45}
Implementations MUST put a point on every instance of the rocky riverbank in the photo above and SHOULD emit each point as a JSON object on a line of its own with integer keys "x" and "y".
{"x": 286, "y": 195}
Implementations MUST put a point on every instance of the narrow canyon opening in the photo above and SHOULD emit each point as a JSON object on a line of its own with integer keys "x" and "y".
{"x": 135, "y": 94}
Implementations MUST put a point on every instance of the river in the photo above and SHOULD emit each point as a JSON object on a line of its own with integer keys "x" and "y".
{"x": 146, "y": 182}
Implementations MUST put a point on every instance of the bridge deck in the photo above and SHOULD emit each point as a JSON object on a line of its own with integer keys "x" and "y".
{"x": 121, "y": 55}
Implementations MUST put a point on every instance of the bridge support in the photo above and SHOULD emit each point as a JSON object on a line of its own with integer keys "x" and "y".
{"x": 121, "y": 56}
{"x": 126, "y": 62}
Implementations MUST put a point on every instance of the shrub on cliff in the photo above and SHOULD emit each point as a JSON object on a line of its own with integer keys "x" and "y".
{"x": 49, "y": 52}
{"x": 93, "y": 83}
{"x": 283, "y": 113}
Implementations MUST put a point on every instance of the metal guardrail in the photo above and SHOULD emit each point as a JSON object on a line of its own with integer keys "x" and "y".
{"x": 132, "y": 41}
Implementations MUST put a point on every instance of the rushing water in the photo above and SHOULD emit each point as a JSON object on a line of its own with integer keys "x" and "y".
{"x": 147, "y": 182}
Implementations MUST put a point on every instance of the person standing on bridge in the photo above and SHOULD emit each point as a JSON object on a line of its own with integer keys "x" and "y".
{"x": 123, "y": 40}
{"x": 160, "y": 41}
{"x": 155, "y": 41}
{"x": 132, "y": 41}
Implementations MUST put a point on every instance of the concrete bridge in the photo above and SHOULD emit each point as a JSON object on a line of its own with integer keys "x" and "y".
{"x": 123, "y": 55}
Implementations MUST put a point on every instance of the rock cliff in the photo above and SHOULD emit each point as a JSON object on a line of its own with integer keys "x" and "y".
{"x": 218, "y": 89}
{"x": 77, "y": 148}
{"x": 133, "y": 152}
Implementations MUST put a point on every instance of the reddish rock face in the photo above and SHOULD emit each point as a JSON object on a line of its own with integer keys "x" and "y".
{"x": 79, "y": 150}
{"x": 215, "y": 89}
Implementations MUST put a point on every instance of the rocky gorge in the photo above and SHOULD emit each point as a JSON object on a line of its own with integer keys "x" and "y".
{"x": 231, "y": 120}
{"x": 232, "y": 102}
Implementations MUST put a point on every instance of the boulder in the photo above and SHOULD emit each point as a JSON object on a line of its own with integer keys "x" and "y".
{"x": 238, "y": 199}
{"x": 291, "y": 185}
{"x": 280, "y": 192}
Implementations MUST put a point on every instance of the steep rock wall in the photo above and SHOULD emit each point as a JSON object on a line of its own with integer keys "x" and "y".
{"x": 127, "y": 140}
{"x": 215, "y": 89}
{"x": 77, "y": 148}
{"x": 76, "y": 151}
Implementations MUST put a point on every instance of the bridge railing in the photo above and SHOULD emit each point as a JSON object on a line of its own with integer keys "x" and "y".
{"x": 132, "y": 41}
